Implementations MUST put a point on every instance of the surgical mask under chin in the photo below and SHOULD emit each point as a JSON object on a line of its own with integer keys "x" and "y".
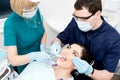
{"x": 29, "y": 14}
{"x": 84, "y": 26}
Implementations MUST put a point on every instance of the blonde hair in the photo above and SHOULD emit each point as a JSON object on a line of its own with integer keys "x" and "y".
{"x": 18, "y": 5}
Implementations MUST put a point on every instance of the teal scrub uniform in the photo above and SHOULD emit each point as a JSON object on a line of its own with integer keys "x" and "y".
{"x": 24, "y": 33}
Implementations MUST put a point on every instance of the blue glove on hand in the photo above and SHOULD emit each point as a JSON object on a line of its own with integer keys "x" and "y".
{"x": 40, "y": 57}
{"x": 55, "y": 49}
{"x": 42, "y": 47}
{"x": 34, "y": 55}
{"x": 82, "y": 66}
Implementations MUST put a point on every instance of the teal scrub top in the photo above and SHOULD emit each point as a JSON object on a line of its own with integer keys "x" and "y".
{"x": 24, "y": 33}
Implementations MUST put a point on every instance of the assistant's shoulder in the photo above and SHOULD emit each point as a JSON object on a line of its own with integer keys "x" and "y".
{"x": 9, "y": 20}
{"x": 40, "y": 15}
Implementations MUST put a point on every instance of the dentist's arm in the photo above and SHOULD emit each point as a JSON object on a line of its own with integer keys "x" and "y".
{"x": 101, "y": 75}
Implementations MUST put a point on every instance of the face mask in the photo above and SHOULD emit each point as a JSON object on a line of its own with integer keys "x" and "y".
{"x": 84, "y": 26}
{"x": 29, "y": 14}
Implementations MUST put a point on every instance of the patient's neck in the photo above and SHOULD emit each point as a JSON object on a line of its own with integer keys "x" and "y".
{"x": 62, "y": 73}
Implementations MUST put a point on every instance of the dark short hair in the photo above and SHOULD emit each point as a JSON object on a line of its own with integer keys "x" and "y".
{"x": 86, "y": 55}
{"x": 92, "y": 5}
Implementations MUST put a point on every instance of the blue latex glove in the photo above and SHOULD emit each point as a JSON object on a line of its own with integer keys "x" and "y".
{"x": 42, "y": 47}
{"x": 55, "y": 49}
{"x": 82, "y": 66}
{"x": 39, "y": 56}
{"x": 44, "y": 58}
{"x": 34, "y": 55}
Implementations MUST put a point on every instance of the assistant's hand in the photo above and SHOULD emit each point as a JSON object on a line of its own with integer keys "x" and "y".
{"x": 41, "y": 57}
{"x": 55, "y": 48}
{"x": 42, "y": 47}
{"x": 82, "y": 66}
{"x": 34, "y": 55}
{"x": 38, "y": 56}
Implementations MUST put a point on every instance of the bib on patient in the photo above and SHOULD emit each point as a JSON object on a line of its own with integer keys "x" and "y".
{"x": 37, "y": 71}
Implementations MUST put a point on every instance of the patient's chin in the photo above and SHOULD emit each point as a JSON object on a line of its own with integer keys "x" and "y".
{"x": 64, "y": 64}
{"x": 60, "y": 63}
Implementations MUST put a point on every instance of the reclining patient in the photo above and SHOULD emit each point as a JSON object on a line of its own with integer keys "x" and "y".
{"x": 69, "y": 59}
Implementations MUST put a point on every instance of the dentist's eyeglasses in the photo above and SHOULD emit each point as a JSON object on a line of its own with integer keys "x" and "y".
{"x": 81, "y": 18}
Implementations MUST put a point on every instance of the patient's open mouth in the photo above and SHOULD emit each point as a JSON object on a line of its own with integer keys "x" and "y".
{"x": 63, "y": 58}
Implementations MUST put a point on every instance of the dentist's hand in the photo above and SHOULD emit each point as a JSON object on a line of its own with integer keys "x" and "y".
{"x": 55, "y": 49}
{"x": 82, "y": 66}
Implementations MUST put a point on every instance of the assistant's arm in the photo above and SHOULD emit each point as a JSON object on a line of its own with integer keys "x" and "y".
{"x": 44, "y": 38}
{"x": 16, "y": 59}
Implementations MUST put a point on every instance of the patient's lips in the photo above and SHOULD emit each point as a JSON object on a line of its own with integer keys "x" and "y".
{"x": 62, "y": 58}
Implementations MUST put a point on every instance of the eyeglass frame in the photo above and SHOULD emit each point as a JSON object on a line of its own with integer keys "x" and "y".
{"x": 81, "y": 18}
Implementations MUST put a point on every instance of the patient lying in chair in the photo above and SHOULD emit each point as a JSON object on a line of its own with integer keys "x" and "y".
{"x": 65, "y": 65}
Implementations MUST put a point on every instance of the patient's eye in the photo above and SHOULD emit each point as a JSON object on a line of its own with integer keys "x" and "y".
{"x": 75, "y": 53}
{"x": 68, "y": 46}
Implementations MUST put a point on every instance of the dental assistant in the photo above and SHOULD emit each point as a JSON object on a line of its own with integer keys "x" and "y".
{"x": 24, "y": 33}
{"x": 90, "y": 29}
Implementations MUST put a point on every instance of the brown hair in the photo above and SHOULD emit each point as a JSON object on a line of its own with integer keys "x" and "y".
{"x": 18, "y": 5}
{"x": 91, "y": 5}
{"x": 86, "y": 55}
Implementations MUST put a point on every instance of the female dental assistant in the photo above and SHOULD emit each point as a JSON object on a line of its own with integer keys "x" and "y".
{"x": 23, "y": 33}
